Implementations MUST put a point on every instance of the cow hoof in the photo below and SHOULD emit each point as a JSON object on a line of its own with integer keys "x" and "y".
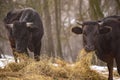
{"x": 110, "y": 78}
{"x": 37, "y": 58}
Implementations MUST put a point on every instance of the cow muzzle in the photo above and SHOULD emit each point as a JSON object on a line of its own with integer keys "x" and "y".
{"x": 21, "y": 50}
{"x": 89, "y": 48}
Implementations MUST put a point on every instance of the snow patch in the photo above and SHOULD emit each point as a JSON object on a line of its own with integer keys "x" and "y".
{"x": 103, "y": 70}
{"x": 7, "y": 59}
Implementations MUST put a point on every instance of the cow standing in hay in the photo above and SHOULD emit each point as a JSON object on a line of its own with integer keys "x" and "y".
{"x": 104, "y": 37}
{"x": 25, "y": 30}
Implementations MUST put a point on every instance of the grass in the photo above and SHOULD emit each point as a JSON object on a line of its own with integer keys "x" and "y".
{"x": 47, "y": 69}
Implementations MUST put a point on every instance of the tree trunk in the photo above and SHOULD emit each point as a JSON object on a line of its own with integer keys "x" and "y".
{"x": 48, "y": 26}
{"x": 5, "y": 48}
{"x": 80, "y": 9}
{"x": 95, "y": 11}
{"x": 58, "y": 26}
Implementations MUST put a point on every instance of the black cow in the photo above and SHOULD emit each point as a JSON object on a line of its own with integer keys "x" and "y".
{"x": 104, "y": 38}
{"x": 25, "y": 30}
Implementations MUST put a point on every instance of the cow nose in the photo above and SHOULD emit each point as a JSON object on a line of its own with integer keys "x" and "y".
{"x": 89, "y": 48}
{"x": 19, "y": 51}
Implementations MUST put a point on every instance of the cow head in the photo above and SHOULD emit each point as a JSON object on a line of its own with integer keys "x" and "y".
{"x": 90, "y": 30}
{"x": 12, "y": 16}
{"x": 20, "y": 33}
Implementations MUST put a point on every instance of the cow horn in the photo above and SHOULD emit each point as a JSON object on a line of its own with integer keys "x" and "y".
{"x": 10, "y": 25}
{"x": 100, "y": 22}
{"x": 29, "y": 24}
{"x": 80, "y": 23}
{"x": 109, "y": 27}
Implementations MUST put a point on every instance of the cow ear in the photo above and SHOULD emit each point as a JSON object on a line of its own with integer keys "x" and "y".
{"x": 77, "y": 30}
{"x": 29, "y": 24}
{"x": 100, "y": 22}
{"x": 10, "y": 25}
{"x": 79, "y": 23}
{"x": 105, "y": 29}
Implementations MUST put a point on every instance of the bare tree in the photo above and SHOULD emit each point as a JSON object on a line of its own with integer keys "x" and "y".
{"x": 48, "y": 27}
{"x": 58, "y": 26}
{"x": 95, "y": 10}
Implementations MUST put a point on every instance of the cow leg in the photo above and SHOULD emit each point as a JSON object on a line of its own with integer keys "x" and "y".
{"x": 0, "y": 56}
{"x": 110, "y": 69}
{"x": 117, "y": 59}
{"x": 37, "y": 51}
{"x": 27, "y": 54}
{"x": 12, "y": 43}
{"x": 15, "y": 55}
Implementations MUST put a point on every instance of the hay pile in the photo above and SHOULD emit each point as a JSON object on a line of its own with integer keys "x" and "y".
{"x": 46, "y": 69}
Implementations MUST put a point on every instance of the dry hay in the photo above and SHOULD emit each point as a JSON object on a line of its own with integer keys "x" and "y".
{"x": 46, "y": 69}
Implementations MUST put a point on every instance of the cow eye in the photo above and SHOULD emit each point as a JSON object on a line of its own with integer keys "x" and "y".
{"x": 95, "y": 33}
{"x": 84, "y": 33}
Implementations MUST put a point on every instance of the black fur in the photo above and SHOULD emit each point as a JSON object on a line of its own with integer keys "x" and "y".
{"x": 105, "y": 41}
{"x": 21, "y": 36}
